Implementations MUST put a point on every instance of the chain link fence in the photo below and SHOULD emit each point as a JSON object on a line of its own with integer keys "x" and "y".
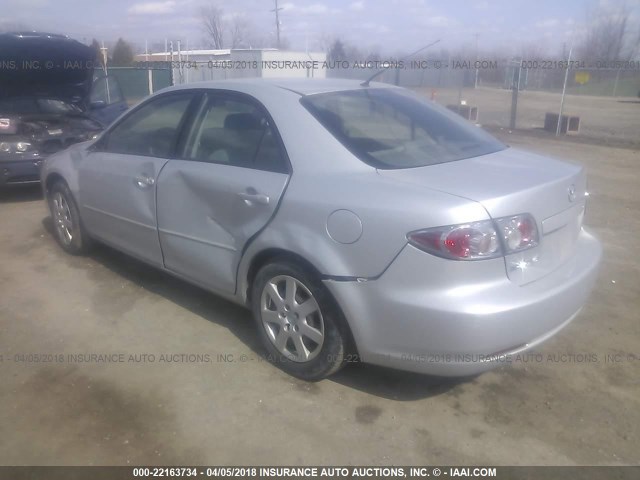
{"x": 602, "y": 103}
{"x": 138, "y": 83}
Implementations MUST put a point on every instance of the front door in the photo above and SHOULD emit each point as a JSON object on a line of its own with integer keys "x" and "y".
{"x": 118, "y": 178}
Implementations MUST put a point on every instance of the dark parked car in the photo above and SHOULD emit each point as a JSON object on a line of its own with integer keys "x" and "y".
{"x": 49, "y": 99}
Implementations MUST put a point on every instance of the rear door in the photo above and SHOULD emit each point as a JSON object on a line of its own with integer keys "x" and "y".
{"x": 222, "y": 192}
{"x": 118, "y": 177}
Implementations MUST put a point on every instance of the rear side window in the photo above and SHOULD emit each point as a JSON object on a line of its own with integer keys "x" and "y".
{"x": 233, "y": 131}
{"x": 152, "y": 129}
{"x": 391, "y": 129}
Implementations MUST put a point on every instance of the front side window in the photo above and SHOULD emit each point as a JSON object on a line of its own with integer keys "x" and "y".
{"x": 388, "y": 129}
{"x": 233, "y": 131}
{"x": 152, "y": 129}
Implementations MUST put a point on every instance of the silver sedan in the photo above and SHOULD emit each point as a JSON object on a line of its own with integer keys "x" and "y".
{"x": 356, "y": 222}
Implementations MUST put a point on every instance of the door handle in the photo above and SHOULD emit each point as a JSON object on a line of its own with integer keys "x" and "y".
{"x": 251, "y": 198}
{"x": 143, "y": 181}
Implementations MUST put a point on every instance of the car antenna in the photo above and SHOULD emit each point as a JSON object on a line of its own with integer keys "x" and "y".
{"x": 379, "y": 72}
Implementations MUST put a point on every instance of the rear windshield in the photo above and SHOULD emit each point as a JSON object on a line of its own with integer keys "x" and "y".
{"x": 388, "y": 128}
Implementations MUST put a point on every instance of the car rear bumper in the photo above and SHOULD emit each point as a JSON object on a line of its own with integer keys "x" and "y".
{"x": 438, "y": 318}
{"x": 20, "y": 172}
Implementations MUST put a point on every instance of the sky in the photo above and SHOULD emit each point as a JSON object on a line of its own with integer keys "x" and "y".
{"x": 390, "y": 26}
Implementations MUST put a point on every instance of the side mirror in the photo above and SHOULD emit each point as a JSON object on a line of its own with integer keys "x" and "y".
{"x": 99, "y": 142}
{"x": 97, "y": 105}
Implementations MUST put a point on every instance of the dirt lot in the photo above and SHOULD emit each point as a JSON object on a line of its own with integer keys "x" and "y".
{"x": 561, "y": 410}
{"x": 613, "y": 119}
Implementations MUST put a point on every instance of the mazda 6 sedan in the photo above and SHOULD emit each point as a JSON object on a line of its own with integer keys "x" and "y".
{"x": 356, "y": 221}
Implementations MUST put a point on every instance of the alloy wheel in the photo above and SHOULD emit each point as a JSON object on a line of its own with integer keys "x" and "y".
{"x": 292, "y": 318}
{"x": 62, "y": 219}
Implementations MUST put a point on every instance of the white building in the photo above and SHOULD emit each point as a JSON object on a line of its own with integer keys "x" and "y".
{"x": 183, "y": 55}
{"x": 272, "y": 63}
{"x": 200, "y": 65}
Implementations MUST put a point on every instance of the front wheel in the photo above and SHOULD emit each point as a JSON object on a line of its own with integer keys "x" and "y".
{"x": 299, "y": 323}
{"x": 67, "y": 224}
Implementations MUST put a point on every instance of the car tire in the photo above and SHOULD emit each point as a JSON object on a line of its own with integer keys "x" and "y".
{"x": 67, "y": 224}
{"x": 299, "y": 322}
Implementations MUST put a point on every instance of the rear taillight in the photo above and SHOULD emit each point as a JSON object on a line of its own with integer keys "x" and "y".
{"x": 461, "y": 242}
{"x": 478, "y": 240}
{"x": 518, "y": 232}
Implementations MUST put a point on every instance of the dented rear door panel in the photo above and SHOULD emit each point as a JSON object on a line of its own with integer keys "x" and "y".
{"x": 206, "y": 214}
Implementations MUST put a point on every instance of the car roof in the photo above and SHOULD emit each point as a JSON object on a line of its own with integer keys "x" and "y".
{"x": 300, "y": 86}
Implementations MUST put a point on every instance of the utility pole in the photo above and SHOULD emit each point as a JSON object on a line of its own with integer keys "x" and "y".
{"x": 475, "y": 84}
{"x": 105, "y": 58}
{"x": 564, "y": 90}
{"x": 515, "y": 88}
{"x": 277, "y": 23}
{"x": 173, "y": 82}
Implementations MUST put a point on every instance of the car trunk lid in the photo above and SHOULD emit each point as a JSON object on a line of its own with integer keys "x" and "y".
{"x": 511, "y": 182}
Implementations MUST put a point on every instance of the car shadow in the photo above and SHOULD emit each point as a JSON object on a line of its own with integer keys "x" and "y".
{"x": 195, "y": 299}
{"x": 378, "y": 381}
{"x": 20, "y": 193}
{"x": 395, "y": 384}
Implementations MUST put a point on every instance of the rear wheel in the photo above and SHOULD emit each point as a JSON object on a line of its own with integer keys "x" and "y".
{"x": 67, "y": 224}
{"x": 299, "y": 323}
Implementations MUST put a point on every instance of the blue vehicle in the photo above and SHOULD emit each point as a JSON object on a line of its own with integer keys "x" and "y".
{"x": 49, "y": 100}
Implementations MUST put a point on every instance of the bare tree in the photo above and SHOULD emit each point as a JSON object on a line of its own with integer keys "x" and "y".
{"x": 213, "y": 25}
{"x": 323, "y": 42}
{"x": 341, "y": 50}
{"x": 634, "y": 50}
{"x": 337, "y": 51}
{"x": 606, "y": 37}
{"x": 240, "y": 32}
{"x": 535, "y": 50}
